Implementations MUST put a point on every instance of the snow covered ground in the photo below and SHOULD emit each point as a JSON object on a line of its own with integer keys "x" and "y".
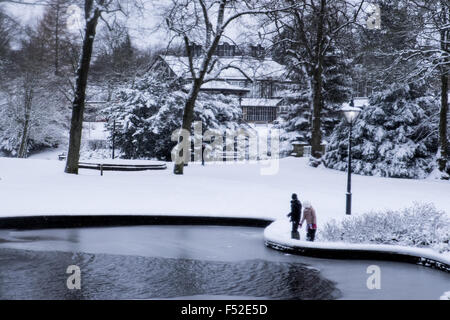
{"x": 35, "y": 186}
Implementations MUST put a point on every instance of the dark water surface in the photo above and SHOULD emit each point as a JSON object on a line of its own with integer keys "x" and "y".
{"x": 157, "y": 262}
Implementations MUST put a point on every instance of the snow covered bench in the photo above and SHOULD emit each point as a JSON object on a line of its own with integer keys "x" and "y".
{"x": 120, "y": 166}
{"x": 62, "y": 156}
{"x": 228, "y": 155}
{"x": 221, "y": 156}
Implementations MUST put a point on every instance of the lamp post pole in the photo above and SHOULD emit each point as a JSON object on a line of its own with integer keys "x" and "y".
{"x": 114, "y": 138}
{"x": 348, "y": 210}
{"x": 351, "y": 114}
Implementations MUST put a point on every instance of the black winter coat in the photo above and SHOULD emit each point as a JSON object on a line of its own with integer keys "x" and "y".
{"x": 296, "y": 209}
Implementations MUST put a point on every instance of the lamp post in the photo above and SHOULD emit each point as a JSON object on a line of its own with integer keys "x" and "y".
{"x": 114, "y": 138}
{"x": 351, "y": 114}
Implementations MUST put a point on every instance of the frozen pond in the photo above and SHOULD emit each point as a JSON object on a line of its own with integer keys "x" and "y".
{"x": 154, "y": 262}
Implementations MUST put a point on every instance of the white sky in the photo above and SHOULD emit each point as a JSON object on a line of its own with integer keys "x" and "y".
{"x": 25, "y": 14}
{"x": 142, "y": 24}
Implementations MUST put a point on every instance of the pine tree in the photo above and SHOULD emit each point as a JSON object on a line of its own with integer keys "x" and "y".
{"x": 430, "y": 57}
{"x": 393, "y": 137}
{"x": 58, "y": 43}
{"x": 296, "y": 121}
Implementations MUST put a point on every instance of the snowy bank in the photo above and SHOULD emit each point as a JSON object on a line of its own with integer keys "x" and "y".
{"x": 277, "y": 236}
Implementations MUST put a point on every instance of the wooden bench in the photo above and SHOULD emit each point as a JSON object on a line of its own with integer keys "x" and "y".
{"x": 62, "y": 156}
{"x": 230, "y": 155}
{"x": 120, "y": 167}
{"x": 226, "y": 156}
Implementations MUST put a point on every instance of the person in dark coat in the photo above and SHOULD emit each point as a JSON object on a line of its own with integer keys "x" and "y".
{"x": 296, "y": 210}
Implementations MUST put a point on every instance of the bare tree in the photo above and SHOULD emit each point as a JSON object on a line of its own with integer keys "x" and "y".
{"x": 205, "y": 22}
{"x": 31, "y": 117}
{"x": 309, "y": 30}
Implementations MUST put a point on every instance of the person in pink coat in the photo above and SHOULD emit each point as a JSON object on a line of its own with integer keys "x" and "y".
{"x": 309, "y": 214}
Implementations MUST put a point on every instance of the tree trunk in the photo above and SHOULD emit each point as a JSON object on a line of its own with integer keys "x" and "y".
{"x": 443, "y": 138}
{"x": 316, "y": 131}
{"x": 28, "y": 98}
{"x": 57, "y": 39}
{"x": 76, "y": 125}
{"x": 188, "y": 113}
{"x": 24, "y": 140}
{"x": 188, "y": 116}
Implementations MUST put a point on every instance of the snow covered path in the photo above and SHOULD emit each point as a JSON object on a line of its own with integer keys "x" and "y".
{"x": 31, "y": 187}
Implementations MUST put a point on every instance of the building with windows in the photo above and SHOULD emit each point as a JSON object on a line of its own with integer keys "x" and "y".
{"x": 248, "y": 74}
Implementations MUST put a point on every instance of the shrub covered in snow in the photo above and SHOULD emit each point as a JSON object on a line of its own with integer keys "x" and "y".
{"x": 152, "y": 110}
{"x": 294, "y": 123}
{"x": 394, "y": 136}
{"x": 421, "y": 225}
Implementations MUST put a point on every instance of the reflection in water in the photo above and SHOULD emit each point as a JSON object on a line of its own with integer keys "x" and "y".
{"x": 41, "y": 275}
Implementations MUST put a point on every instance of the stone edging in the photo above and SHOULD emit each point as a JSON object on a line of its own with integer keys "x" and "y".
{"x": 359, "y": 254}
{"x": 84, "y": 221}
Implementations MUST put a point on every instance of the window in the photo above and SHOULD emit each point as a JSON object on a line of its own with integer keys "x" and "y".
{"x": 257, "y": 51}
{"x": 265, "y": 89}
{"x": 225, "y": 50}
{"x": 196, "y": 50}
{"x": 260, "y": 114}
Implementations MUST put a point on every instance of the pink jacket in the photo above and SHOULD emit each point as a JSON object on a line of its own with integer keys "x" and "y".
{"x": 309, "y": 214}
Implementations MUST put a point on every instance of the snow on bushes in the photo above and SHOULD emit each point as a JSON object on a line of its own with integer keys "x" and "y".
{"x": 32, "y": 115}
{"x": 294, "y": 123}
{"x": 393, "y": 137}
{"x": 152, "y": 110}
{"x": 421, "y": 225}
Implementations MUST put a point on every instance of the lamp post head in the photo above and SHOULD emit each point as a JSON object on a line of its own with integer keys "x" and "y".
{"x": 350, "y": 113}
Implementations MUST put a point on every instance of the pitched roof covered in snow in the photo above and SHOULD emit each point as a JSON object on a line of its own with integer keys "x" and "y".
{"x": 230, "y": 68}
{"x": 223, "y": 86}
